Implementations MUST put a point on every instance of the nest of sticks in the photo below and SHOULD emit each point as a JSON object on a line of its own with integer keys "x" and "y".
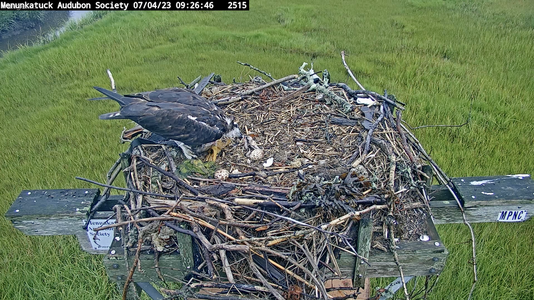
{"x": 272, "y": 214}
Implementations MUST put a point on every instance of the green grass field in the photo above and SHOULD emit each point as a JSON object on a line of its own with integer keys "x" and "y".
{"x": 434, "y": 55}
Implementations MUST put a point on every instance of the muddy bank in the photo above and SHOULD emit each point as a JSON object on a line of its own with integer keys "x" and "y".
{"x": 28, "y": 30}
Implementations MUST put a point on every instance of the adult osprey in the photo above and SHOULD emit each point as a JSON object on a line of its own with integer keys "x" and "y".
{"x": 187, "y": 119}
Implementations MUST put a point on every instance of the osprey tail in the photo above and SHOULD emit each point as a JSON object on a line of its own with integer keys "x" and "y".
{"x": 117, "y": 97}
{"x": 111, "y": 116}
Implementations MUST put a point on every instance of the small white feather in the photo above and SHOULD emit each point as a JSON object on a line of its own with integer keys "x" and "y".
{"x": 268, "y": 163}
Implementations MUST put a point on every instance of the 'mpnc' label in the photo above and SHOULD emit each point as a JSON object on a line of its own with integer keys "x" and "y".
{"x": 512, "y": 216}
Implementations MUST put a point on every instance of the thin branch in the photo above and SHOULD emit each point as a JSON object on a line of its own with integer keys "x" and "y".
{"x": 352, "y": 215}
{"x": 350, "y": 72}
{"x": 397, "y": 262}
{"x": 256, "y": 69}
{"x": 169, "y": 174}
{"x": 264, "y": 281}
{"x": 454, "y": 126}
{"x": 136, "y": 259}
{"x": 443, "y": 179}
{"x": 126, "y": 189}
{"x": 229, "y": 100}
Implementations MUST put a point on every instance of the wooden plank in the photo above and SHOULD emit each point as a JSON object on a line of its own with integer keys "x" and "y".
{"x": 477, "y": 214}
{"x": 493, "y": 195}
{"x": 365, "y": 235}
{"x": 416, "y": 258}
{"x": 173, "y": 267}
{"x": 51, "y": 212}
{"x": 493, "y": 190}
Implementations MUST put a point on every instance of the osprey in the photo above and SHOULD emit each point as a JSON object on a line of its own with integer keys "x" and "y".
{"x": 185, "y": 118}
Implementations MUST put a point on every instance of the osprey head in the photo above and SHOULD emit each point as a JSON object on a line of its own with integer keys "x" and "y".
{"x": 232, "y": 130}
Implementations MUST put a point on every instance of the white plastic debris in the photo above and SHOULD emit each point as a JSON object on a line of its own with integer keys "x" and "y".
{"x": 268, "y": 163}
{"x": 365, "y": 101}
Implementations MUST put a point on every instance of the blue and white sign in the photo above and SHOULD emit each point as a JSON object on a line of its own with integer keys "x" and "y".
{"x": 512, "y": 216}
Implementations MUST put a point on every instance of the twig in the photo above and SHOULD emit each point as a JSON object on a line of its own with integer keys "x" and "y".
{"x": 352, "y": 215}
{"x": 206, "y": 247}
{"x": 136, "y": 259}
{"x": 224, "y": 262}
{"x": 350, "y": 72}
{"x": 111, "y": 176}
{"x": 354, "y": 93}
{"x": 460, "y": 125}
{"x": 229, "y": 286}
{"x": 173, "y": 226}
{"x": 252, "y": 91}
{"x": 443, "y": 179}
{"x": 286, "y": 270}
{"x": 126, "y": 189}
{"x": 318, "y": 283}
{"x": 372, "y": 129}
{"x": 265, "y": 283}
{"x": 403, "y": 137}
{"x": 209, "y": 246}
{"x": 169, "y": 174}
{"x": 256, "y": 69}
{"x": 182, "y": 82}
{"x": 396, "y": 257}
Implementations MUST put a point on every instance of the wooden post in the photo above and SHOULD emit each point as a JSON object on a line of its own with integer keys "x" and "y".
{"x": 365, "y": 235}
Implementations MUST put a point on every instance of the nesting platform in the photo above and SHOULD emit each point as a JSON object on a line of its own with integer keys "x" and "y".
{"x": 327, "y": 184}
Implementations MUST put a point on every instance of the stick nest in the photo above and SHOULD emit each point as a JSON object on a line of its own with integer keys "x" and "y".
{"x": 274, "y": 213}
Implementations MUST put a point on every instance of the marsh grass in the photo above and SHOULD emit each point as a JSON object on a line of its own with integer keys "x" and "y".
{"x": 437, "y": 56}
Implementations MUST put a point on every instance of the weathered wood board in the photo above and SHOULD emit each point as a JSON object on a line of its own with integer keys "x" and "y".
{"x": 172, "y": 267}
{"x": 365, "y": 235}
{"x": 417, "y": 258}
{"x": 51, "y": 212}
{"x": 492, "y": 190}
{"x": 484, "y": 199}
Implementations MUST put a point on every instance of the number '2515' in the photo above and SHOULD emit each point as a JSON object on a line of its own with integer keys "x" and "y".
{"x": 237, "y": 5}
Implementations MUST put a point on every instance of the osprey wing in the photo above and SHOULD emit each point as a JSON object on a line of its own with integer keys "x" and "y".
{"x": 175, "y": 95}
{"x": 178, "y": 122}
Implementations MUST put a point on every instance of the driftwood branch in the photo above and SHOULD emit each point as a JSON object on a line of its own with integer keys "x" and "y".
{"x": 252, "y": 91}
{"x": 350, "y": 72}
{"x": 256, "y": 69}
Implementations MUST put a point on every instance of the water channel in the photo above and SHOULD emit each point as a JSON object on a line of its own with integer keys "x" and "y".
{"x": 53, "y": 22}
